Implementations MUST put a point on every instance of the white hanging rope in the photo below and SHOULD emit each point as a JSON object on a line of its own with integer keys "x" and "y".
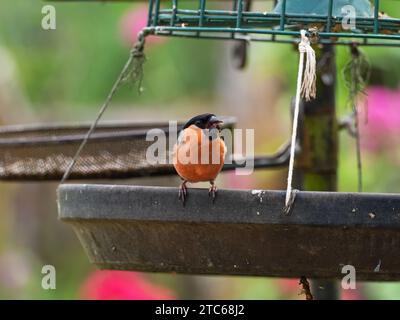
{"x": 306, "y": 88}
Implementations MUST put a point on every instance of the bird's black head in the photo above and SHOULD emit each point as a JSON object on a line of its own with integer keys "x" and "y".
{"x": 204, "y": 121}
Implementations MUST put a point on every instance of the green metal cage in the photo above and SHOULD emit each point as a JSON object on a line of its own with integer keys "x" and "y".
{"x": 235, "y": 19}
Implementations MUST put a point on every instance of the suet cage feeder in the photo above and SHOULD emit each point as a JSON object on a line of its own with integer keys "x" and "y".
{"x": 245, "y": 232}
{"x": 236, "y": 20}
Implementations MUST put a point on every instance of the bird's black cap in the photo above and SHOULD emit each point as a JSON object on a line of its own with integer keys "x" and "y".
{"x": 203, "y": 120}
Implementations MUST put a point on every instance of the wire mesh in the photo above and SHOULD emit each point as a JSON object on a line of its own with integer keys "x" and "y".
{"x": 230, "y": 20}
{"x": 115, "y": 150}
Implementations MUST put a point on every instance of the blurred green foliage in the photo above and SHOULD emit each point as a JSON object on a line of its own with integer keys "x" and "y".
{"x": 78, "y": 62}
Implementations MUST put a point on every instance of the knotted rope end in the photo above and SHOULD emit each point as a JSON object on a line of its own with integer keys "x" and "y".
{"x": 308, "y": 86}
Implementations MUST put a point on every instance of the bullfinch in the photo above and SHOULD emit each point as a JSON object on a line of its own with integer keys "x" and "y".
{"x": 199, "y": 153}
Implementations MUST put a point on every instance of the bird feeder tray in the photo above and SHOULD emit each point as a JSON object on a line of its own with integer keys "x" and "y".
{"x": 115, "y": 150}
{"x": 245, "y": 232}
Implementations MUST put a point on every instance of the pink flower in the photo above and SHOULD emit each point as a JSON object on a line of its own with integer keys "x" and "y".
{"x": 289, "y": 287}
{"x": 351, "y": 294}
{"x": 122, "y": 285}
{"x": 132, "y": 22}
{"x": 382, "y": 131}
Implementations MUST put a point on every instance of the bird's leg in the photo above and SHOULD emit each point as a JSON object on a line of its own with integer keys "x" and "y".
{"x": 182, "y": 192}
{"x": 212, "y": 192}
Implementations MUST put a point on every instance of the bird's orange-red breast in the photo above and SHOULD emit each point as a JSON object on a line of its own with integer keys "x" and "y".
{"x": 200, "y": 151}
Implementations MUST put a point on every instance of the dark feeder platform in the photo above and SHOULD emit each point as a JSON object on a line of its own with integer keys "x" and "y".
{"x": 244, "y": 233}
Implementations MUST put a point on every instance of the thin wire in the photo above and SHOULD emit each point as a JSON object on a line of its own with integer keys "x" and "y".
{"x": 135, "y": 52}
{"x": 358, "y": 150}
{"x": 356, "y": 75}
{"x": 353, "y": 97}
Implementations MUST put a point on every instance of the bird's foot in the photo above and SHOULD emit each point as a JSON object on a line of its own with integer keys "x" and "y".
{"x": 182, "y": 195}
{"x": 212, "y": 192}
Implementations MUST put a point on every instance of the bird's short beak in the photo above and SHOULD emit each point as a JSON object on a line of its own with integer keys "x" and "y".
{"x": 215, "y": 119}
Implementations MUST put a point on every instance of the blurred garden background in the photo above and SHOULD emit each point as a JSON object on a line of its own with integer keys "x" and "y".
{"x": 64, "y": 75}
